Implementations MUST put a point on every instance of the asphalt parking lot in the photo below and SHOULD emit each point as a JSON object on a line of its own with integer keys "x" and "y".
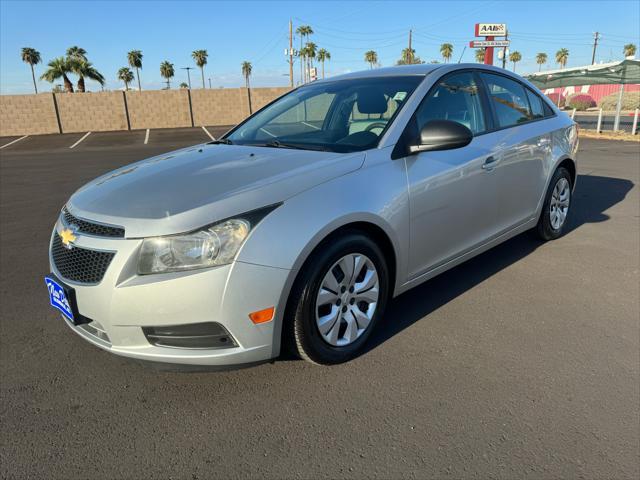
{"x": 522, "y": 363}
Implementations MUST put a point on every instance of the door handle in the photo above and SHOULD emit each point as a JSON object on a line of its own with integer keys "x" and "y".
{"x": 490, "y": 163}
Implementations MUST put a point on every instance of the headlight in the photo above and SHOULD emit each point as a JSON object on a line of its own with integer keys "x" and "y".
{"x": 216, "y": 245}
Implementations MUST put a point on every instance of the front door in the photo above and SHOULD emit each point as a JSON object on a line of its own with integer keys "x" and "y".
{"x": 453, "y": 193}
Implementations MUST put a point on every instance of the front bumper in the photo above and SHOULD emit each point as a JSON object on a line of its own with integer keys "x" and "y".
{"x": 124, "y": 302}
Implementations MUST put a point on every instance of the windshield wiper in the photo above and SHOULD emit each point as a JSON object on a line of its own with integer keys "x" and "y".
{"x": 220, "y": 141}
{"x": 297, "y": 146}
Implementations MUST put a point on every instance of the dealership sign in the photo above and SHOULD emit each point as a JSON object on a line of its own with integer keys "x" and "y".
{"x": 491, "y": 29}
{"x": 488, "y": 43}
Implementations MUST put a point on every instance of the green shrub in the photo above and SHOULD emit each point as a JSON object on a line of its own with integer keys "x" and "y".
{"x": 581, "y": 101}
{"x": 630, "y": 101}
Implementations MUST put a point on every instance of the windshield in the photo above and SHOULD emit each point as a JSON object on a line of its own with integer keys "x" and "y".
{"x": 340, "y": 116}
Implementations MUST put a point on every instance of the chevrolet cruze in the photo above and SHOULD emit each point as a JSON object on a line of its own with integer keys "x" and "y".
{"x": 295, "y": 228}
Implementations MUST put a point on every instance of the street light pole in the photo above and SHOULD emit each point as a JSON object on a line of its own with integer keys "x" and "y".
{"x": 188, "y": 75}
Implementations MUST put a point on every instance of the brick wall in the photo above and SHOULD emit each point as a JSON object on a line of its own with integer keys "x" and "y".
{"x": 27, "y": 115}
{"x": 95, "y": 112}
{"x": 103, "y": 111}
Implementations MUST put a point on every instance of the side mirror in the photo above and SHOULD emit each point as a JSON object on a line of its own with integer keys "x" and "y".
{"x": 442, "y": 135}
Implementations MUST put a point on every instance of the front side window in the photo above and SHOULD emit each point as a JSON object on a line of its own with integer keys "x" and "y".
{"x": 341, "y": 116}
{"x": 509, "y": 100}
{"x": 456, "y": 98}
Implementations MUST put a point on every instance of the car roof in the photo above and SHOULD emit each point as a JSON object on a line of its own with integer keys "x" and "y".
{"x": 422, "y": 69}
{"x": 418, "y": 69}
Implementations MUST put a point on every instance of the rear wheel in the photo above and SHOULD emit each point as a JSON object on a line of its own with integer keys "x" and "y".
{"x": 339, "y": 297}
{"x": 555, "y": 209}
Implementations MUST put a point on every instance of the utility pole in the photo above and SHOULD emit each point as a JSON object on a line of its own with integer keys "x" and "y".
{"x": 504, "y": 51}
{"x": 410, "y": 53}
{"x": 596, "y": 37}
{"x": 209, "y": 82}
{"x": 188, "y": 75}
{"x": 290, "y": 53}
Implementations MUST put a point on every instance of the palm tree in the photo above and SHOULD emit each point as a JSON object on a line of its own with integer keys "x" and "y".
{"x": 76, "y": 53}
{"x": 304, "y": 31}
{"x": 184, "y": 85}
{"x": 446, "y": 50}
{"x": 562, "y": 56}
{"x": 371, "y": 57}
{"x": 200, "y": 56}
{"x": 32, "y": 57}
{"x": 310, "y": 50}
{"x": 246, "y": 72}
{"x": 84, "y": 68}
{"x": 167, "y": 71}
{"x": 323, "y": 56}
{"x": 408, "y": 57}
{"x": 515, "y": 57}
{"x": 480, "y": 55}
{"x": 541, "y": 59}
{"x": 135, "y": 60}
{"x": 629, "y": 50}
{"x": 59, "y": 68}
{"x": 125, "y": 75}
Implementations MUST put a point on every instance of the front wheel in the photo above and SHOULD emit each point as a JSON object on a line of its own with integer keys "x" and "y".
{"x": 337, "y": 301}
{"x": 555, "y": 209}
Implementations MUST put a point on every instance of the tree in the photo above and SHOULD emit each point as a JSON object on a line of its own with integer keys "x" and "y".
{"x": 408, "y": 57}
{"x": 125, "y": 75}
{"x": 446, "y": 50}
{"x": 541, "y": 59}
{"x": 562, "y": 56}
{"x": 76, "y": 53}
{"x": 59, "y": 68}
{"x": 32, "y": 57}
{"x": 184, "y": 85}
{"x": 246, "y": 72}
{"x": 371, "y": 57}
{"x": 167, "y": 71}
{"x": 323, "y": 56}
{"x": 85, "y": 69}
{"x": 480, "y": 55}
{"x": 135, "y": 61}
{"x": 629, "y": 50}
{"x": 304, "y": 31}
{"x": 515, "y": 57}
{"x": 200, "y": 56}
{"x": 310, "y": 54}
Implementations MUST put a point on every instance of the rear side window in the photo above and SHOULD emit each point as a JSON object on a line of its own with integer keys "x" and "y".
{"x": 537, "y": 109}
{"x": 509, "y": 100}
{"x": 455, "y": 98}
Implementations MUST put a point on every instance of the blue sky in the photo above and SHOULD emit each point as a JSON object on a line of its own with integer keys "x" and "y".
{"x": 258, "y": 32}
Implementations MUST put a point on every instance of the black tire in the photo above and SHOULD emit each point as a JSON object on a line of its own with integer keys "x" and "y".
{"x": 302, "y": 335}
{"x": 544, "y": 228}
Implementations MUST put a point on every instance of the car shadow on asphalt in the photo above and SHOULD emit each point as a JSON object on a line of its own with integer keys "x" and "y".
{"x": 593, "y": 196}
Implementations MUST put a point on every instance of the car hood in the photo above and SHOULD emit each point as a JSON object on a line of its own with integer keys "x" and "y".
{"x": 184, "y": 190}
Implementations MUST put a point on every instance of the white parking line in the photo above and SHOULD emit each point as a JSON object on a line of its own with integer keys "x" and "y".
{"x": 312, "y": 126}
{"x": 146, "y": 137}
{"x": 207, "y": 132}
{"x": 83, "y": 137}
{"x": 13, "y": 141}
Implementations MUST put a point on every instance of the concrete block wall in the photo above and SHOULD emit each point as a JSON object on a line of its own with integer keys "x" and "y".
{"x": 158, "y": 109}
{"x": 27, "y": 115}
{"x": 104, "y": 111}
{"x": 95, "y": 112}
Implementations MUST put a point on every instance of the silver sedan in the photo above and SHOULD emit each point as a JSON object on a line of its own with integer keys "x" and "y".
{"x": 296, "y": 228}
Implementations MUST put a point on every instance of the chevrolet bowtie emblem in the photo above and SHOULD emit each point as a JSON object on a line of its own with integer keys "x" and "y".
{"x": 68, "y": 236}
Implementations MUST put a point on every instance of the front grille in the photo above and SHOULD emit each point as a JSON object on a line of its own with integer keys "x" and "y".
{"x": 79, "y": 264}
{"x": 91, "y": 228}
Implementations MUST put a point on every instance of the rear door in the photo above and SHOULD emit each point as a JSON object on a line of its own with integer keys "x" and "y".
{"x": 525, "y": 146}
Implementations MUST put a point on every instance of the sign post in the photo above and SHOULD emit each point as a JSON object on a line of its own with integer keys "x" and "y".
{"x": 489, "y": 31}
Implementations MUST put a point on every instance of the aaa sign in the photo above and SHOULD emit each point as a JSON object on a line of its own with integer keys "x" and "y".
{"x": 491, "y": 29}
